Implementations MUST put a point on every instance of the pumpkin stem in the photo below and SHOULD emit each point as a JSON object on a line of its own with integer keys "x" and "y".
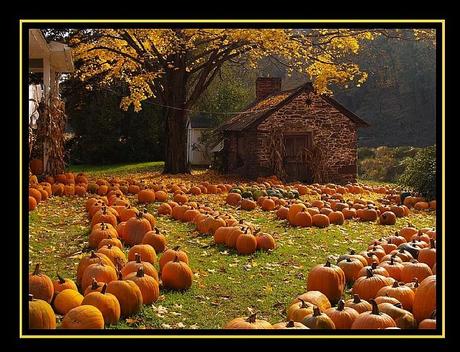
{"x": 31, "y": 297}
{"x": 356, "y": 298}
{"x": 37, "y": 269}
{"x": 375, "y": 308}
{"x": 316, "y": 311}
{"x": 341, "y": 305}
{"x": 416, "y": 283}
{"x": 290, "y": 324}
{"x": 140, "y": 271}
{"x": 432, "y": 243}
{"x": 61, "y": 280}
{"x": 303, "y": 305}
{"x": 93, "y": 255}
{"x": 369, "y": 273}
{"x": 157, "y": 231}
{"x": 392, "y": 260}
{"x": 374, "y": 265}
{"x": 176, "y": 258}
{"x": 399, "y": 305}
{"x": 94, "y": 284}
{"x": 176, "y": 248}
{"x": 252, "y": 318}
{"x": 352, "y": 252}
{"x": 328, "y": 264}
{"x": 348, "y": 260}
{"x": 395, "y": 284}
{"x": 138, "y": 257}
{"x": 104, "y": 288}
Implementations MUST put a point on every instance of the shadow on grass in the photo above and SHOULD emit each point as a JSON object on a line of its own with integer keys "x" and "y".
{"x": 118, "y": 169}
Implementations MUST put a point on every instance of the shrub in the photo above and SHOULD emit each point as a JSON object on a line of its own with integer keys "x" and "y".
{"x": 420, "y": 172}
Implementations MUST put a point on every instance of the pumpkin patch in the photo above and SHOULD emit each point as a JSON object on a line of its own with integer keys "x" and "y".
{"x": 157, "y": 242}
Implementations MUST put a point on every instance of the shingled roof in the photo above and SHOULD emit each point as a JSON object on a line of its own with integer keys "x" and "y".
{"x": 259, "y": 110}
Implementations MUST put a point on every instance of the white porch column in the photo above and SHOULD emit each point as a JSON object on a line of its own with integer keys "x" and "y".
{"x": 46, "y": 94}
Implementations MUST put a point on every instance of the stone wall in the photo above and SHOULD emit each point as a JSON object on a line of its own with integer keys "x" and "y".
{"x": 334, "y": 133}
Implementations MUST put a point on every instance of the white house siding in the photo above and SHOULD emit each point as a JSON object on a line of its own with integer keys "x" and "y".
{"x": 196, "y": 156}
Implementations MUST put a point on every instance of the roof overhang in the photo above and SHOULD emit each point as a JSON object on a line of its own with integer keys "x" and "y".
{"x": 59, "y": 54}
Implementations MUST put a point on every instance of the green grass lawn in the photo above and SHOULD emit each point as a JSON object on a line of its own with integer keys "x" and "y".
{"x": 225, "y": 285}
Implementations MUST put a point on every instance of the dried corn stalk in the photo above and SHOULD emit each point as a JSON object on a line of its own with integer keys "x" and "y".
{"x": 277, "y": 153}
{"x": 50, "y": 135}
{"x": 313, "y": 157}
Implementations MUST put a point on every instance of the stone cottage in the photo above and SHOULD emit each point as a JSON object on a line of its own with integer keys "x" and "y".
{"x": 296, "y": 134}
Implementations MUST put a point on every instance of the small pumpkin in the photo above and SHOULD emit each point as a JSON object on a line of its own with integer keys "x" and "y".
{"x": 402, "y": 318}
{"x": 99, "y": 271}
{"x": 401, "y": 292}
{"x": 358, "y": 304}
{"x": 66, "y": 300}
{"x": 246, "y": 243}
{"x": 40, "y": 285}
{"x": 83, "y": 317}
{"x": 342, "y": 316}
{"x": 250, "y": 322}
{"x": 155, "y": 239}
{"x": 299, "y": 310}
{"x": 170, "y": 254}
{"x": 318, "y": 320}
{"x": 289, "y": 325}
{"x": 62, "y": 284}
{"x": 368, "y": 286}
{"x": 373, "y": 319}
{"x": 86, "y": 261}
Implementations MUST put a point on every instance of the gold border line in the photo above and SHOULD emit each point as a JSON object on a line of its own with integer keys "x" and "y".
{"x": 20, "y": 178}
{"x": 22, "y": 336}
{"x": 231, "y": 21}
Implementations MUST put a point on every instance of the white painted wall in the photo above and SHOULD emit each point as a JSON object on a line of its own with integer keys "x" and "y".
{"x": 196, "y": 157}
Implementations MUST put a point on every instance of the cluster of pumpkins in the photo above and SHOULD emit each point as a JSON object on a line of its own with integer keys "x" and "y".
{"x": 392, "y": 287}
{"x": 110, "y": 284}
{"x": 66, "y": 184}
{"x": 322, "y": 213}
{"x": 224, "y": 228}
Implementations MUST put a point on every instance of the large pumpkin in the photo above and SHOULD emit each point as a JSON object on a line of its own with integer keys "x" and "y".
{"x": 41, "y": 315}
{"x": 136, "y": 228}
{"x": 176, "y": 275}
{"x": 106, "y": 302}
{"x": 128, "y": 294}
{"x": 147, "y": 284}
{"x": 425, "y": 299}
{"x": 328, "y": 279}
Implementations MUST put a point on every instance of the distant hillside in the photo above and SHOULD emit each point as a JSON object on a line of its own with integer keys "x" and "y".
{"x": 398, "y": 98}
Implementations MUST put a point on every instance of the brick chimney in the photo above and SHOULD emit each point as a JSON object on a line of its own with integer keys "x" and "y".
{"x": 266, "y": 86}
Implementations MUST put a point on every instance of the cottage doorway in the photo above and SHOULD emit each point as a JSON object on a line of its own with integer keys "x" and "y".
{"x": 295, "y": 166}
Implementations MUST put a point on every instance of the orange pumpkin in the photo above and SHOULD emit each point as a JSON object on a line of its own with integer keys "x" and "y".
{"x": 328, "y": 279}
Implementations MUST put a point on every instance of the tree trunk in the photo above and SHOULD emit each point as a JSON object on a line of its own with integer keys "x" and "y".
{"x": 176, "y": 120}
{"x": 176, "y": 143}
